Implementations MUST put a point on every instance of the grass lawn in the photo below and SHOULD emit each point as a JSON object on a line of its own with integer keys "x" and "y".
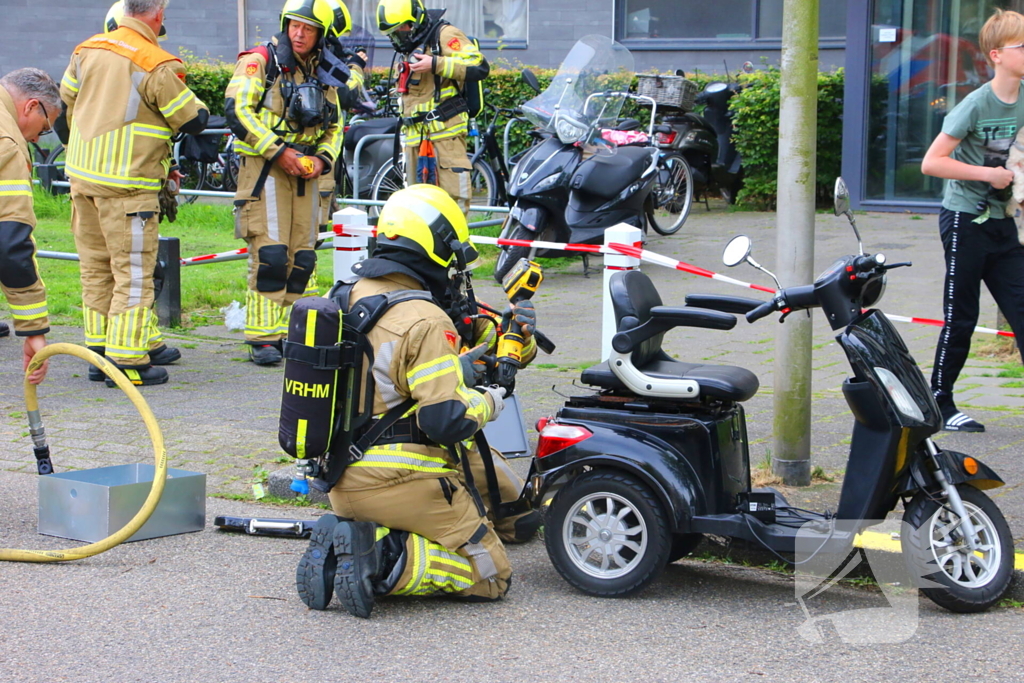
{"x": 202, "y": 229}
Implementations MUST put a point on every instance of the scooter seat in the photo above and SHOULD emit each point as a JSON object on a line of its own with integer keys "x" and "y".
{"x": 724, "y": 382}
{"x": 608, "y": 175}
{"x": 360, "y": 130}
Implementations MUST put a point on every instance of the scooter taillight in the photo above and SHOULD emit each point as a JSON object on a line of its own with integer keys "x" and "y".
{"x": 555, "y": 437}
{"x": 665, "y": 138}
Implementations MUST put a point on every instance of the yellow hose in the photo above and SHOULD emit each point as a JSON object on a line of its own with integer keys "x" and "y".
{"x": 159, "y": 476}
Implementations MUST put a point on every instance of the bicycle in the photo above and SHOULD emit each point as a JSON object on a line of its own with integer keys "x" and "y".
{"x": 222, "y": 175}
{"x": 672, "y": 196}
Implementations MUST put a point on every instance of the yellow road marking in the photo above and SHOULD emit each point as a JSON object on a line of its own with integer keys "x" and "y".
{"x": 875, "y": 540}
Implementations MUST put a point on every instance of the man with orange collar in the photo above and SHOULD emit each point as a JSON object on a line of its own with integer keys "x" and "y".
{"x": 125, "y": 98}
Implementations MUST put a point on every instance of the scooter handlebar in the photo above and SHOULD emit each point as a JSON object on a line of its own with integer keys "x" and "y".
{"x": 761, "y": 311}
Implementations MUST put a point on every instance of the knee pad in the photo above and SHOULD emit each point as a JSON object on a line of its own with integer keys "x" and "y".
{"x": 302, "y": 267}
{"x": 273, "y": 269}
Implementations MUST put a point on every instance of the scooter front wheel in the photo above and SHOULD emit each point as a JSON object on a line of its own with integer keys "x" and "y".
{"x": 509, "y": 256}
{"x": 937, "y": 555}
{"x": 607, "y": 535}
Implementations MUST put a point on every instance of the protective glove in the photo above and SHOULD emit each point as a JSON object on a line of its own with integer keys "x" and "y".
{"x": 472, "y": 370}
{"x": 498, "y": 396}
{"x": 168, "y": 204}
{"x": 526, "y": 315}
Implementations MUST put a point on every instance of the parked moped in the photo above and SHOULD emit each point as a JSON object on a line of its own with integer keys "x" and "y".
{"x": 574, "y": 185}
{"x": 659, "y": 456}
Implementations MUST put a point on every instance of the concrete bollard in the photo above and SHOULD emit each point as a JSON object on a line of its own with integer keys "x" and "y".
{"x": 349, "y": 251}
{"x": 619, "y": 234}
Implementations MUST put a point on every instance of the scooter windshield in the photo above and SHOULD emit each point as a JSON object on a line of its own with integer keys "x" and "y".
{"x": 596, "y": 66}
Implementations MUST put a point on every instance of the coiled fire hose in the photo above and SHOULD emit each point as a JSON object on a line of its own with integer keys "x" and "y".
{"x": 42, "y": 452}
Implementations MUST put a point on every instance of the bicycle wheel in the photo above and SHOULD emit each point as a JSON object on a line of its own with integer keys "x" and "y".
{"x": 53, "y": 170}
{"x": 387, "y": 181}
{"x": 195, "y": 176}
{"x": 672, "y": 195}
{"x": 483, "y": 186}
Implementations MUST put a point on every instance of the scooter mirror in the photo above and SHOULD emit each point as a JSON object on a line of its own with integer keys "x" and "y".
{"x": 842, "y": 197}
{"x": 737, "y": 251}
{"x": 748, "y": 67}
{"x": 530, "y": 79}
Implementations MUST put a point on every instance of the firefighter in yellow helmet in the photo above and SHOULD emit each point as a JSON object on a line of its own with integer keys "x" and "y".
{"x": 115, "y": 15}
{"x": 436, "y": 58}
{"x": 405, "y": 521}
{"x": 282, "y": 104}
{"x": 124, "y": 98}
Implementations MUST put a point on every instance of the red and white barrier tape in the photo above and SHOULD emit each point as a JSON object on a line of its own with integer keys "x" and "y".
{"x": 614, "y": 248}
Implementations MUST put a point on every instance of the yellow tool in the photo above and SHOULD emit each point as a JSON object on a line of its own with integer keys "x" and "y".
{"x": 307, "y": 164}
{"x": 520, "y": 284}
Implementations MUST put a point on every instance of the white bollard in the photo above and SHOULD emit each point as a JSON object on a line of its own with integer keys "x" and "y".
{"x": 619, "y": 234}
{"x": 349, "y": 251}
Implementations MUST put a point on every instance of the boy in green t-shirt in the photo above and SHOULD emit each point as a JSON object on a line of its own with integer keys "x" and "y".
{"x": 980, "y": 242}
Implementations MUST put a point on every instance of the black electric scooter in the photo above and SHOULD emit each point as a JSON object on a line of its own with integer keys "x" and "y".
{"x": 573, "y": 186}
{"x": 658, "y": 455}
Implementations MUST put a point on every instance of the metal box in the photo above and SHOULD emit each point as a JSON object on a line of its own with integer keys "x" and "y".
{"x": 508, "y": 432}
{"x": 90, "y": 505}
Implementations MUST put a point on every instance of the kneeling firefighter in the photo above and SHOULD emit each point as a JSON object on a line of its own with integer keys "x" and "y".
{"x": 408, "y": 519}
{"x": 282, "y": 104}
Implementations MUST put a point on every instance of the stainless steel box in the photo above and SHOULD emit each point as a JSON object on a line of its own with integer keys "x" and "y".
{"x": 90, "y": 505}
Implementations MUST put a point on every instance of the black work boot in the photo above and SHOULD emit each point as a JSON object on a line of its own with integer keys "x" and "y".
{"x": 314, "y": 577}
{"x": 140, "y": 375}
{"x": 95, "y": 374}
{"x": 265, "y": 353}
{"x": 163, "y": 355}
{"x": 5, "y": 329}
{"x": 359, "y": 566}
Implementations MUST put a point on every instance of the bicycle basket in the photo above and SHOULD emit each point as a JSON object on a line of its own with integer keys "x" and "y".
{"x": 668, "y": 91}
{"x": 201, "y": 148}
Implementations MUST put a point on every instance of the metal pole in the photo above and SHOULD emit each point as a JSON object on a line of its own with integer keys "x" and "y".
{"x": 795, "y": 247}
{"x": 168, "y": 303}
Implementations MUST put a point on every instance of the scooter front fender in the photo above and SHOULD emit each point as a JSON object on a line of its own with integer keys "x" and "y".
{"x": 667, "y": 473}
{"x": 956, "y": 471}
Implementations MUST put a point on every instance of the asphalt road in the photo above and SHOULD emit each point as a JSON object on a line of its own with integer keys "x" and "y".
{"x": 216, "y": 606}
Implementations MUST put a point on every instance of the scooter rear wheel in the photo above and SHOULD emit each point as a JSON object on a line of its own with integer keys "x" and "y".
{"x": 607, "y": 535}
{"x": 672, "y": 195}
{"x": 934, "y": 547}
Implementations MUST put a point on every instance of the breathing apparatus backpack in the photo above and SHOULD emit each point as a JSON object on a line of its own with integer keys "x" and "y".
{"x": 327, "y": 402}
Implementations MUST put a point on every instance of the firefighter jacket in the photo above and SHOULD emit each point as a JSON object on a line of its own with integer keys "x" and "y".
{"x": 457, "y": 57}
{"x": 125, "y": 98}
{"x": 259, "y": 115}
{"x": 416, "y": 355}
{"x": 19, "y": 277}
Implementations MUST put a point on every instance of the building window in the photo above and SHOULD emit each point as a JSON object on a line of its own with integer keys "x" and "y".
{"x": 495, "y": 23}
{"x": 712, "y": 23}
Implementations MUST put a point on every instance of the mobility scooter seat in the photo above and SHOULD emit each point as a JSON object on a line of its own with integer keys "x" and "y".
{"x": 634, "y": 297}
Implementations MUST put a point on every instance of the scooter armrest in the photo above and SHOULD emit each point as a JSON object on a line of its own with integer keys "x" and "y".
{"x": 664, "y": 318}
{"x": 720, "y": 302}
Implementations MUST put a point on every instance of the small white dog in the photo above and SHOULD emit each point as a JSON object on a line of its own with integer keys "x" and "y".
{"x": 1015, "y": 162}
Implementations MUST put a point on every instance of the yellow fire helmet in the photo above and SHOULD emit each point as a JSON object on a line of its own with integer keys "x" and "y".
{"x": 115, "y": 15}
{"x": 318, "y": 13}
{"x": 391, "y": 14}
{"x": 425, "y": 220}
{"x": 342, "y": 19}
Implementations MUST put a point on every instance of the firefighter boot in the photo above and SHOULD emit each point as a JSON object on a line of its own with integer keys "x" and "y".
{"x": 314, "y": 577}
{"x": 95, "y": 374}
{"x": 140, "y": 375}
{"x": 265, "y": 353}
{"x": 5, "y": 329}
{"x": 359, "y": 566}
{"x": 163, "y": 355}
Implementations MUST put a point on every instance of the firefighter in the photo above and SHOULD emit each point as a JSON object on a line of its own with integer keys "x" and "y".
{"x": 29, "y": 105}
{"x": 437, "y": 59}
{"x": 406, "y": 522}
{"x": 287, "y": 123}
{"x": 124, "y": 98}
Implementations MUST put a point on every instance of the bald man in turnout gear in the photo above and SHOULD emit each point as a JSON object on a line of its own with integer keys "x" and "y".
{"x": 405, "y": 522}
{"x": 286, "y": 116}
{"x": 125, "y": 97}
{"x": 439, "y": 57}
{"x": 29, "y": 103}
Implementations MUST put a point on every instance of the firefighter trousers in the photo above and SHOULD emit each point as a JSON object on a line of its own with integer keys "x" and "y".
{"x": 280, "y": 228}
{"x": 454, "y": 173}
{"x": 117, "y": 239}
{"x": 451, "y": 548}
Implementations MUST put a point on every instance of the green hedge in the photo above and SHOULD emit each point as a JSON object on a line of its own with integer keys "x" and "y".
{"x": 756, "y": 110}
